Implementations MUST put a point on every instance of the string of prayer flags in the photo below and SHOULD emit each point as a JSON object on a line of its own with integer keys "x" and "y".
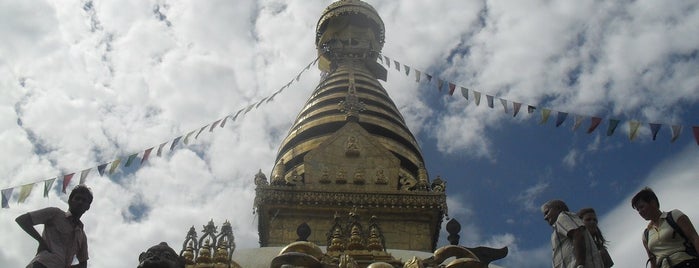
{"x": 112, "y": 167}
{"x": 634, "y": 126}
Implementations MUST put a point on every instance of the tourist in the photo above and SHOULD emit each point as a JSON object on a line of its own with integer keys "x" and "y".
{"x": 63, "y": 238}
{"x": 670, "y": 238}
{"x": 572, "y": 244}
{"x": 589, "y": 218}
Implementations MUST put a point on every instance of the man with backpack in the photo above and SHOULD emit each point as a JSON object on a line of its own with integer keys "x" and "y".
{"x": 670, "y": 238}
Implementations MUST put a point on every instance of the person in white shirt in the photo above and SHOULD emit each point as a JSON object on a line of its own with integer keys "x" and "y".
{"x": 572, "y": 244}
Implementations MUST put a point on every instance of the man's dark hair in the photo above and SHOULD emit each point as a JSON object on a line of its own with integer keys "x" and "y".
{"x": 647, "y": 195}
{"x": 556, "y": 203}
{"x": 81, "y": 188}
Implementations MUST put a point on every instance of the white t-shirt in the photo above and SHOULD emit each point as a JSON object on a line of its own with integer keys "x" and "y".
{"x": 562, "y": 245}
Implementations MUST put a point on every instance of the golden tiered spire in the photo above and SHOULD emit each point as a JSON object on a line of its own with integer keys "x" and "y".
{"x": 349, "y": 147}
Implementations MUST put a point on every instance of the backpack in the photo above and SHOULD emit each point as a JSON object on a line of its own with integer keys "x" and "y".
{"x": 688, "y": 246}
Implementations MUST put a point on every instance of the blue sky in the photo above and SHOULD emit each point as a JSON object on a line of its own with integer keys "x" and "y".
{"x": 85, "y": 83}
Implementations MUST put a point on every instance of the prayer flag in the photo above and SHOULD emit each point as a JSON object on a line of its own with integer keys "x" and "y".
{"x": 160, "y": 149}
{"x": 464, "y": 92}
{"x": 186, "y": 138}
{"x": 452, "y": 87}
{"x": 388, "y": 61}
{"x": 130, "y": 159}
{"x": 676, "y": 129}
{"x": 429, "y": 78}
{"x": 47, "y": 186}
{"x": 6, "y": 194}
{"x": 516, "y": 106}
{"x": 578, "y": 122}
{"x": 654, "y": 128}
{"x": 66, "y": 181}
{"x": 612, "y": 126}
{"x": 440, "y": 83}
{"x": 490, "y": 100}
{"x": 223, "y": 122}
{"x": 407, "y": 70}
{"x": 594, "y": 122}
{"x": 417, "y": 76}
{"x": 214, "y": 124}
{"x": 545, "y": 113}
{"x": 114, "y": 166}
{"x": 83, "y": 175}
{"x": 101, "y": 168}
{"x": 247, "y": 110}
{"x": 200, "y": 130}
{"x": 24, "y": 192}
{"x": 174, "y": 143}
{"x": 298, "y": 76}
{"x": 477, "y": 97}
{"x": 146, "y": 154}
{"x": 239, "y": 111}
{"x": 397, "y": 65}
{"x": 380, "y": 58}
{"x": 504, "y": 104}
{"x": 633, "y": 129}
{"x": 695, "y": 129}
{"x": 560, "y": 118}
{"x": 530, "y": 109}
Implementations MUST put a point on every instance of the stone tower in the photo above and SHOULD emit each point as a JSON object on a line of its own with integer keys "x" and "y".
{"x": 349, "y": 150}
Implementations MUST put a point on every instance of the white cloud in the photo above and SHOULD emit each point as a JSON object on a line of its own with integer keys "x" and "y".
{"x": 92, "y": 85}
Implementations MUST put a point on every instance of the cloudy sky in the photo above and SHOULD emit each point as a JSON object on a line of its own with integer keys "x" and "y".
{"x": 83, "y": 83}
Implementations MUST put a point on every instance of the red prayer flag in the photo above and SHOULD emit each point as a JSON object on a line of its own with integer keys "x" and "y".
{"x": 452, "y": 87}
{"x": 145, "y": 155}
{"x": 66, "y": 181}
{"x": 594, "y": 122}
{"x": 695, "y": 129}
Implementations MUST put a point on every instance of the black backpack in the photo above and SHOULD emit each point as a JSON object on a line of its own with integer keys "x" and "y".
{"x": 689, "y": 247}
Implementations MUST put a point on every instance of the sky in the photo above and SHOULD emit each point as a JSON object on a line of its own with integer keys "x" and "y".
{"x": 83, "y": 83}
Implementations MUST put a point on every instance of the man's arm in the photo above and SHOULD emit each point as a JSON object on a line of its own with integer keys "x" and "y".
{"x": 26, "y": 223}
{"x": 578, "y": 237}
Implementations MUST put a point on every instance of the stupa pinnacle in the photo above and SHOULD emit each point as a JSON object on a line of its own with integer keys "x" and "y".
{"x": 349, "y": 147}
